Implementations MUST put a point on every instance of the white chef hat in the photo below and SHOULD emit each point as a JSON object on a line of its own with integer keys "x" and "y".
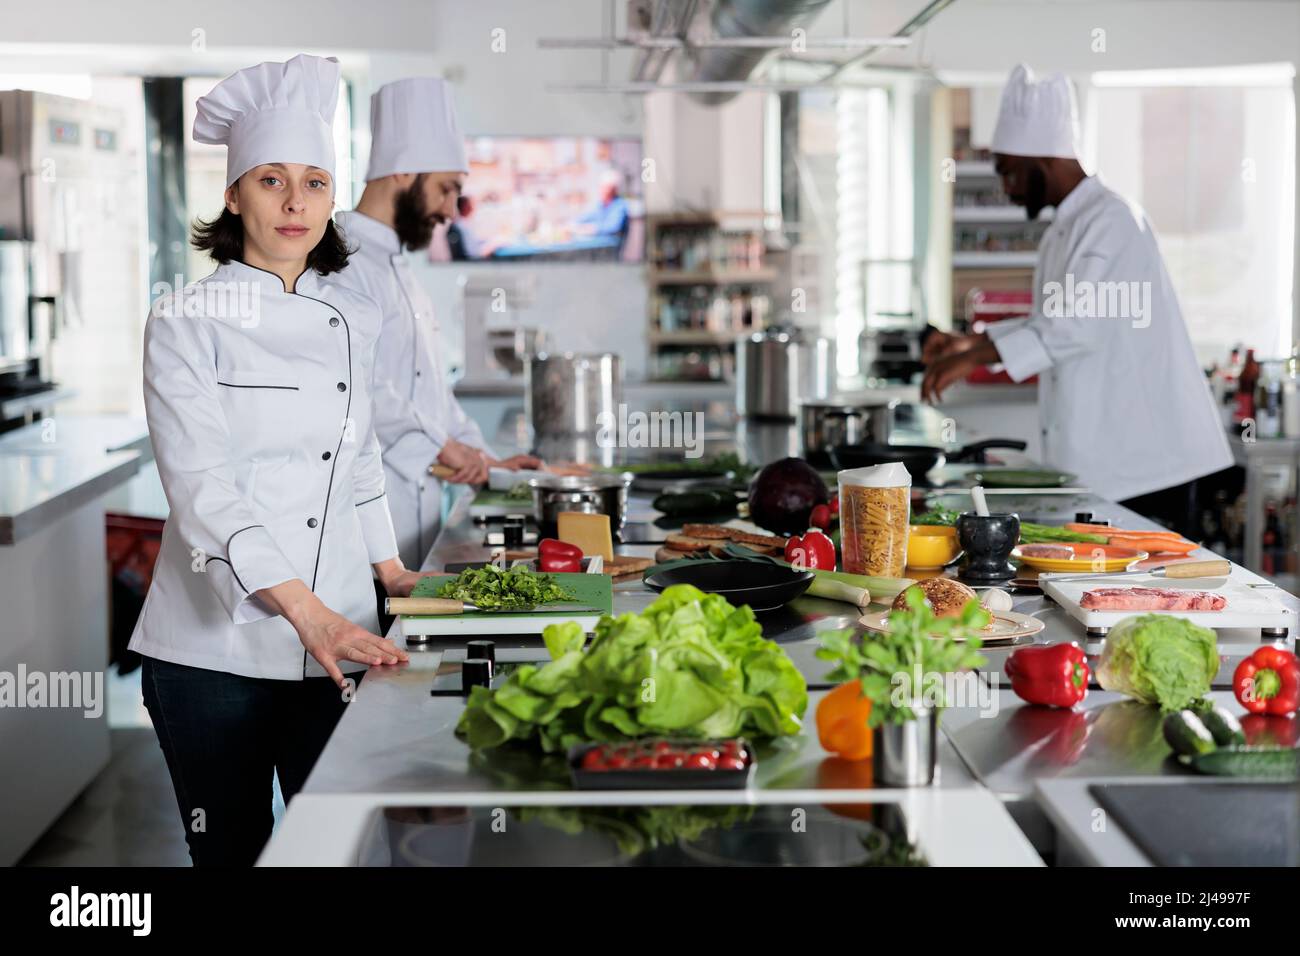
{"x": 1037, "y": 117}
{"x": 413, "y": 129}
{"x": 273, "y": 113}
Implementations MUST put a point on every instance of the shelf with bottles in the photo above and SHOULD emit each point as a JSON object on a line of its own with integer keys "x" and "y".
{"x": 1258, "y": 398}
{"x": 680, "y": 362}
{"x": 702, "y": 313}
{"x": 707, "y": 247}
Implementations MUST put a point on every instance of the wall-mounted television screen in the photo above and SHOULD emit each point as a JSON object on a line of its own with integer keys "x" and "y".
{"x": 549, "y": 199}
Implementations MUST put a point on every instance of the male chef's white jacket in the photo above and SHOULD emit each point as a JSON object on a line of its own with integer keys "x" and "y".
{"x": 259, "y": 411}
{"x": 415, "y": 410}
{"x": 1122, "y": 401}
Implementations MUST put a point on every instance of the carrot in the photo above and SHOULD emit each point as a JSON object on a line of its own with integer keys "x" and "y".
{"x": 1156, "y": 544}
{"x": 1105, "y": 529}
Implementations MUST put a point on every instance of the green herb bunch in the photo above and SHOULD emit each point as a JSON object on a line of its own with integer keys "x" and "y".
{"x": 899, "y": 669}
{"x": 515, "y": 589}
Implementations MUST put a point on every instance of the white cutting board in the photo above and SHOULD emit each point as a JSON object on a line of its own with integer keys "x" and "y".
{"x": 1247, "y": 606}
{"x": 455, "y": 627}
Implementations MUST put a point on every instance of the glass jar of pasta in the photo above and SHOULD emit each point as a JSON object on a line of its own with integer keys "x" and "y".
{"x": 875, "y": 507}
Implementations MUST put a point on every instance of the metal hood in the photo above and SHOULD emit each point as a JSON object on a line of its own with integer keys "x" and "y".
{"x": 740, "y": 20}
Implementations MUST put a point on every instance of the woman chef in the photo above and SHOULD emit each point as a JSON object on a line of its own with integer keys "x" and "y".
{"x": 256, "y": 390}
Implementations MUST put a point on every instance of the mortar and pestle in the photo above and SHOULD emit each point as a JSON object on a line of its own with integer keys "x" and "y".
{"x": 987, "y": 540}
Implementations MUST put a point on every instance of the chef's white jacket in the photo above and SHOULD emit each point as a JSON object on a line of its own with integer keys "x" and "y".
{"x": 415, "y": 410}
{"x": 1122, "y": 403}
{"x": 259, "y": 411}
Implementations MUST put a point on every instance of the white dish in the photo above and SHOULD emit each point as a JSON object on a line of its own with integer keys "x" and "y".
{"x": 1006, "y": 626}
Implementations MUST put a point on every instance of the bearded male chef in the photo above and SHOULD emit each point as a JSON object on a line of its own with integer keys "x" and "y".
{"x": 1123, "y": 403}
{"x": 417, "y": 168}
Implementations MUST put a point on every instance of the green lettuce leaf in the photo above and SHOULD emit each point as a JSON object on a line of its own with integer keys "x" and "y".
{"x": 689, "y": 665}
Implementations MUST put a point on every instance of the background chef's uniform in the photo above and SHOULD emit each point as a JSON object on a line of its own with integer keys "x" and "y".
{"x": 259, "y": 412}
{"x": 1122, "y": 404}
{"x": 413, "y": 129}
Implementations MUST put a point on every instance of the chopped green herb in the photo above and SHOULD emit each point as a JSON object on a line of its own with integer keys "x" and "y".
{"x": 515, "y": 589}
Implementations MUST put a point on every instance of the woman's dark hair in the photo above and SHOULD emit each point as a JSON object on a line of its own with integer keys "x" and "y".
{"x": 223, "y": 239}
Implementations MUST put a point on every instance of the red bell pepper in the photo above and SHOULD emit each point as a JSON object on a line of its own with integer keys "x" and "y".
{"x": 811, "y": 550}
{"x": 1268, "y": 681}
{"x": 1055, "y": 675}
{"x": 558, "y": 557}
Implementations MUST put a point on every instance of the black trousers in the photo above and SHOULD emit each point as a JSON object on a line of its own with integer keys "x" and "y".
{"x": 223, "y": 737}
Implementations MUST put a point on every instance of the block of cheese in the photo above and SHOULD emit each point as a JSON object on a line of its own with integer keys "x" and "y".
{"x": 589, "y": 532}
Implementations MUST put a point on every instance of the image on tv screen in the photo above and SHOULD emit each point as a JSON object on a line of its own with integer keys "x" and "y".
{"x": 548, "y": 199}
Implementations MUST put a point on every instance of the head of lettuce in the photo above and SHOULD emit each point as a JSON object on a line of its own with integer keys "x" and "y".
{"x": 689, "y": 665}
{"x": 1159, "y": 659}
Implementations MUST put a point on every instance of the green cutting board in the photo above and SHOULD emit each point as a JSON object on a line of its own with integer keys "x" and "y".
{"x": 594, "y": 590}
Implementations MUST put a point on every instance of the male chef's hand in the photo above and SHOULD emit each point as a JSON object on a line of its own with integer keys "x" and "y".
{"x": 471, "y": 467}
{"x": 518, "y": 463}
{"x": 958, "y": 361}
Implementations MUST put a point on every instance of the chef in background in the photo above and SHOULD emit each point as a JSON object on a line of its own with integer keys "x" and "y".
{"x": 1123, "y": 403}
{"x": 257, "y": 396}
{"x": 417, "y": 168}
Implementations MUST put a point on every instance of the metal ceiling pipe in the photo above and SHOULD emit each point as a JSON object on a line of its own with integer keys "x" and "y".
{"x": 746, "y": 18}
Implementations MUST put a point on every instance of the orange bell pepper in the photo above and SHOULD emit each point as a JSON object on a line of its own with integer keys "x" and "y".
{"x": 842, "y": 722}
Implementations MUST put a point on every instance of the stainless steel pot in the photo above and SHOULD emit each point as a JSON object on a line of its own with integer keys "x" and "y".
{"x": 904, "y": 755}
{"x": 827, "y": 425}
{"x": 599, "y": 494}
{"x": 567, "y": 393}
{"x": 775, "y": 368}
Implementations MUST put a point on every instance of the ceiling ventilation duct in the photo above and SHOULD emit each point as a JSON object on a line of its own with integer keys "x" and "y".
{"x": 739, "y": 19}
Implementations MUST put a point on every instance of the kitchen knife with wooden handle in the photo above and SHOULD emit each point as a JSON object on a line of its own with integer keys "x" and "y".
{"x": 422, "y": 605}
{"x": 1216, "y": 568}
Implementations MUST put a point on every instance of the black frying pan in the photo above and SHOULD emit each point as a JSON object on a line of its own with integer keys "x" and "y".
{"x": 918, "y": 459}
{"x": 761, "y": 585}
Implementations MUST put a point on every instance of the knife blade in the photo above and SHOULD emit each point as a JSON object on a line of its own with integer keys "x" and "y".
{"x": 1184, "y": 569}
{"x": 452, "y": 606}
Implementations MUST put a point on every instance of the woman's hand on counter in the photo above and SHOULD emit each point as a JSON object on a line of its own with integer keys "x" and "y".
{"x": 329, "y": 637}
{"x": 396, "y": 580}
{"x": 470, "y": 465}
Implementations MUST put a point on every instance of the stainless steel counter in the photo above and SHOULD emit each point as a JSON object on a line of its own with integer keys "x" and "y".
{"x": 49, "y": 469}
{"x": 397, "y": 740}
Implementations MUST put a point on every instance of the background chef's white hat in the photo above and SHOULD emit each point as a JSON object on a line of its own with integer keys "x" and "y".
{"x": 413, "y": 129}
{"x": 1037, "y": 117}
{"x": 273, "y": 113}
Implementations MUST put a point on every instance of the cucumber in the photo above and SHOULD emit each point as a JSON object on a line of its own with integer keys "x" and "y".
{"x": 1187, "y": 735}
{"x": 1223, "y": 726}
{"x": 1274, "y": 763}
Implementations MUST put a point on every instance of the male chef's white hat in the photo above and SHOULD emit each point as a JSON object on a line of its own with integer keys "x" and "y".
{"x": 273, "y": 113}
{"x": 413, "y": 129}
{"x": 1037, "y": 117}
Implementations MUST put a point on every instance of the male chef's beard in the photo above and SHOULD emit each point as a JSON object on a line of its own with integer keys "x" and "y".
{"x": 1035, "y": 192}
{"x": 411, "y": 218}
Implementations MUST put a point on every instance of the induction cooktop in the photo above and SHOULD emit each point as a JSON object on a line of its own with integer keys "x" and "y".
{"x": 681, "y": 835}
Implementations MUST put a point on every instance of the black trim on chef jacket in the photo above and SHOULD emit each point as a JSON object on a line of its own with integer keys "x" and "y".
{"x": 347, "y": 329}
{"x": 292, "y": 388}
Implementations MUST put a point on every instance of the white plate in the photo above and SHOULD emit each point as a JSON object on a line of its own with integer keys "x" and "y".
{"x": 1006, "y": 626}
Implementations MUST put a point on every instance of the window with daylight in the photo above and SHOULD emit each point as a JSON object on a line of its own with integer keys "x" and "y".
{"x": 1210, "y": 155}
